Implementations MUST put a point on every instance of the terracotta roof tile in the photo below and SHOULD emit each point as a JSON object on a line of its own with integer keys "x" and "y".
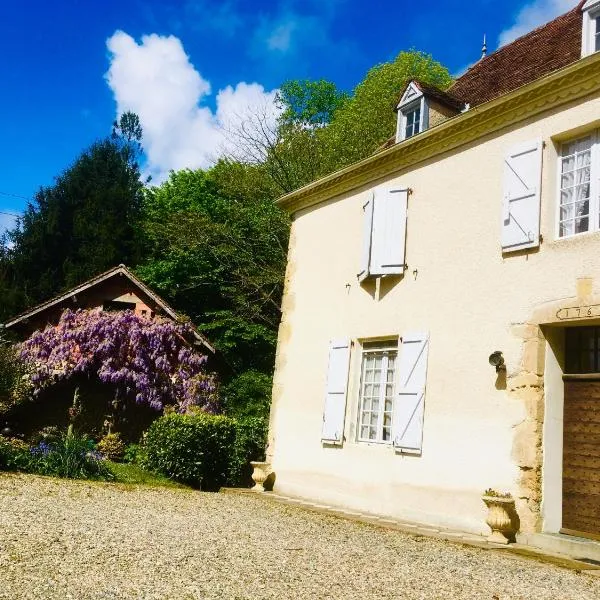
{"x": 545, "y": 49}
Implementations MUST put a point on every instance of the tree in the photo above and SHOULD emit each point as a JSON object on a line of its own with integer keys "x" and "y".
{"x": 84, "y": 223}
{"x": 367, "y": 119}
{"x": 216, "y": 249}
{"x": 321, "y": 129}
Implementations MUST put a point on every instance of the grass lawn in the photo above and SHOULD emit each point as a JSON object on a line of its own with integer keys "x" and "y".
{"x": 135, "y": 475}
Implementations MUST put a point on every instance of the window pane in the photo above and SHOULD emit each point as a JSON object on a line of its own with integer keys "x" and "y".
{"x": 581, "y": 225}
{"x": 376, "y": 395}
{"x": 567, "y": 228}
{"x": 575, "y": 187}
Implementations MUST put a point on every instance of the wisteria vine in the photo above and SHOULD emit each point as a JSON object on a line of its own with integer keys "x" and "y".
{"x": 150, "y": 359}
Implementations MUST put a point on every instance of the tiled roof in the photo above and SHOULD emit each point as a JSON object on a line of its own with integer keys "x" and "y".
{"x": 545, "y": 49}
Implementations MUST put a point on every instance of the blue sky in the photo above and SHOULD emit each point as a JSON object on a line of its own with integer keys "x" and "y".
{"x": 187, "y": 66}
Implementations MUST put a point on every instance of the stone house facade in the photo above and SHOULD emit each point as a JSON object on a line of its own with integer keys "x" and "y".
{"x": 472, "y": 238}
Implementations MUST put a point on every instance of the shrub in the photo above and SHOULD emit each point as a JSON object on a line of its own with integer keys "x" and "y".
{"x": 112, "y": 446}
{"x": 250, "y": 444}
{"x": 193, "y": 449}
{"x": 73, "y": 457}
{"x": 131, "y": 454}
{"x": 14, "y": 455}
{"x": 15, "y": 384}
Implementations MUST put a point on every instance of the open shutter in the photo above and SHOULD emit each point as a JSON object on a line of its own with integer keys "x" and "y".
{"x": 521, "y": 203}
{"x": 410, "y": 397}
{"x": 389, "y": 232}
{"x": 367, "y": 236}
{"x": 335, "y": 397}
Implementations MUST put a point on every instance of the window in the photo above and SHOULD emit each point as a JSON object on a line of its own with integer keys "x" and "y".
{"x": 412, "y": 120}
{"x": 582, "y": 350}
{"x": 578, "y": 206}
{"x": 413, "y": 112}
{"x": 590, "y": 39}
{"x": 390, "y": 397}
{"x": 377, "y": 393}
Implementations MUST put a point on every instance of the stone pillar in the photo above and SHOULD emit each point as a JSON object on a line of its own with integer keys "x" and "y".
{"x": 526, "y": 384}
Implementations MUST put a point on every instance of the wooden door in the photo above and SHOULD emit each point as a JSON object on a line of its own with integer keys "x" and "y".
{"x": 581, "y": 456}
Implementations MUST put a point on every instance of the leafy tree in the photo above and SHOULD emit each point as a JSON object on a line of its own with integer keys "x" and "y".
{"x": 367, "y": 119}
{"x": 321, "y": 129}
{"x": 312, "y": 103}
{"x": 216, "y": 250}
{"x": 84, "y": 223}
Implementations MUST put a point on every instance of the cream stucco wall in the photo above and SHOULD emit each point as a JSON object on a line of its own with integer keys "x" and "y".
{"x": 478, "y": 431}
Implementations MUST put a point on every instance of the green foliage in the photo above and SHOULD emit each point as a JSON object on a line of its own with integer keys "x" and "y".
{"x": 193, "y": 449}
{"x": 73, "y": 456}
{"x": 368, "y": 119}
{"x": 216, "y": 249}
{"x": 111, "y": 446}
{"x": 248, "y": 395}
{"x": 132, "y": 453}
{"x": 14, "y": 455}
{"x": 78, "y": 227}
{"x": 309, "y": 102}
{"x": 250, "y": 444}
{"x": 15, "y": 386}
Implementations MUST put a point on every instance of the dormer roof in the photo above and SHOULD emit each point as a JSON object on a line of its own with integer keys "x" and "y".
{"x": 429, "y": 91}
{"x": 539, "y": 52}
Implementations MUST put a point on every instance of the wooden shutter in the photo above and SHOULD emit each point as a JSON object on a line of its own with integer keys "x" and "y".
{"x": 389, "y": 232}
{"x": 521, "y": 203}
{"x": 335, "y": 397}
{"x": 367, "y": 237}
{"x": 410, "y": 397}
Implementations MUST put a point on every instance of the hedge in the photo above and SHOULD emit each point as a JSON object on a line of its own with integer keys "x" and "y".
{"x": 203, "y": 450}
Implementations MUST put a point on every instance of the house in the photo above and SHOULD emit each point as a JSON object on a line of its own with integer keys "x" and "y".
{"x": 115, "y": 289}
{"x": 441, "y": 314}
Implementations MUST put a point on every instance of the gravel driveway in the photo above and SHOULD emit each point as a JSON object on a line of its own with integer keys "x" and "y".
{"x": 62, "y": 539}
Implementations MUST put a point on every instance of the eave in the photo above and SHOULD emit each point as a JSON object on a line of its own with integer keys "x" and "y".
{"x": 561, "y": 87}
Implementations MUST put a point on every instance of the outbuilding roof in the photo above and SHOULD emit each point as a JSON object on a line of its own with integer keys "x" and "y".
{"x": 120, "y": 270}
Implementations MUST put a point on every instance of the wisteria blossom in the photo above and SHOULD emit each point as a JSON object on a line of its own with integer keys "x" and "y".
{"x": 150, "y": 359}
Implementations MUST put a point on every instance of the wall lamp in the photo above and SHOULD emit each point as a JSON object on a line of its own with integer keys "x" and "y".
{"x": 497, "y": 360}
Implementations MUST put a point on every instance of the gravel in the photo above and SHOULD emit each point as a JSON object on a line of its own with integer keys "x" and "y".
{"x": 80, "y": 540}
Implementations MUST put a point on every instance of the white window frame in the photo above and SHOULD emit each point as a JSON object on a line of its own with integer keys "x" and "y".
{"x": 384, "y": 347}
{"x": 594, "y": 200}
{"x": 591, "y": 11}
{"x": 412, "y": 100}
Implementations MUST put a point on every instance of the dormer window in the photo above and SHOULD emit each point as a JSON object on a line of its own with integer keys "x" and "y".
{"x": 590, "y": 35}
{"x": 412, "y": 113}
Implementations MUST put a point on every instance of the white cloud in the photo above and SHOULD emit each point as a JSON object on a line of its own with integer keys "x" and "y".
{"x": 532, "y": 15}
{"x": 156, "y": 80}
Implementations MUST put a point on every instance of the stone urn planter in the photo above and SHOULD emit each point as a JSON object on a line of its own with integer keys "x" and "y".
{"x": 502, "y": 517}
{"x": 263, "y": 476}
